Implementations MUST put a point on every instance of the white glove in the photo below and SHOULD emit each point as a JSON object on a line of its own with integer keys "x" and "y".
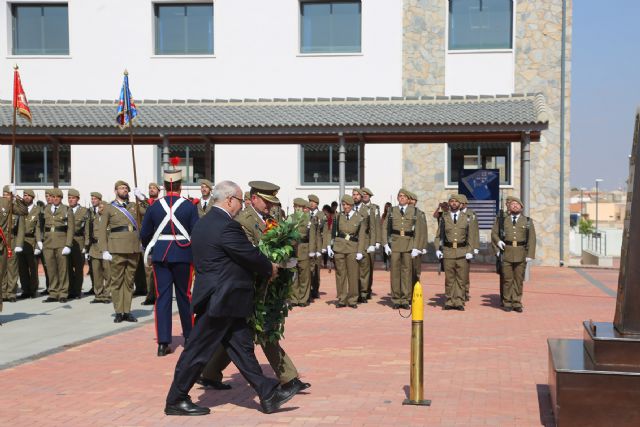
{"x": 371, "y": 248}
{"x": 37, "y": 252}
{"x": 415, "y": 252}
{"x": 312, "y": 254}
{"x": 86, "y": 257}
{"x": 39, "y": 245}
{"x": 318, "y": 254}
{"x": 324, "y": 251}
{"x": 468, "y": 256}
{"x": 424, "y": 251}
{"x": 12, "y": 188}
{"x": 387, "y": 249}
{"x": 527, "y": 259}
{"x": 439, "y": 254}
{"x": 18, "y": 249}
{"x": 497, "y": 254}
{"x": 377, "y": 245}
{"x": 66, "y": 250}
{"x": 330, "y": 251}
{"x": 107, "y": 256}
{"x": 476, "y": 251}
{"x": 359, "y": 256}
{"x": 291, "y": 263}
{"x": 501, "y": 245}
{"x": 138, "y": 194}
{"x": 84, "y": 251}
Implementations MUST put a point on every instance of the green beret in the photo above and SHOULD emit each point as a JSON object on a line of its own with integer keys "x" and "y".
{"x": 456, "y": 197}
{"x": 356, "y": 190}
{"x": 347, "y": 199}
{"x": 366, "y": 190}
{"x": 412, "y": 195}
{"x": 207, "y": 183}
{"x": 313, "y": 198}
{"x": 265, "y": 190}
{"x": 509, "y": 199}
{"x": 153, "y": 184}
{"x": 30, "y": 193}
{"x": 515, "y": 199}
{"x": 55, "y": 192}
{"x": 119, "y": 183}
{"x": 73, "y": 192}
{"x": 96, "y": 195}
{"x": 299, "y": 201}
{"x": 463, "y": 199}
{"x": 404, "y": 191}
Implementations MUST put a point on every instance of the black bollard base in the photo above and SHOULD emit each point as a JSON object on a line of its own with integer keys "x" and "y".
{"x": 417, "y": 402}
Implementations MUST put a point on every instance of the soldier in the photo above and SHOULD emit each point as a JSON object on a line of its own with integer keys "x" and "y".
{"x": 348, "y": 245}
{"x": 421, "y": 225}
{"x": 305, "y": 253}
{"x": 48, "y": 198}
{"x": 374, "y": 211}
{"x": 99, "y": 267}
{"x": 263, "y": 196}
{"x": 474, "y": 238}
{"x": 154, "y": 193}
{"x": 27, "y": 263}
{"x": 78, "y": 250}
{"x": 17, "y": 207}
{"x": 277, "y": 212}
{"x": 59, "y": 225}
{"x": 247, "y": 200}
{"x": 10, "y": 280}
{"x": 516, "y": 239}
{"x": 206, "y": 202}
{"x": 370, "y": 244}
{"x": 150, "y": 299}
{"x": 166, "y": 229}
{"x": 322, "y": 241}
{"x": 496, "y": 249}
{"x": 120, "y": 245}
{"x": 401, "y": 237}
{"x": 453, "y": 241}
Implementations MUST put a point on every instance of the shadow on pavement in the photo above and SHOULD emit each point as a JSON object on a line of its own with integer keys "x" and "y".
{"x": 437, "y": 301}
{"x": 491, "y": 300}
{"x": 386, "y": 301}
{"x": 544, "y": 405}
{"x": 20, "y": 316}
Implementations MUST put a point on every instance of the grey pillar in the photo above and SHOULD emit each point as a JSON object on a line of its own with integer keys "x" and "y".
{"x": 342, "y": 160}
{"x": 165, "y": 152}
{"x": 525, "y": 170}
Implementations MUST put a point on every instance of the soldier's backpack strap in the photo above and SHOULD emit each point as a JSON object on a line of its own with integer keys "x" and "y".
{"x": 389, "y": 225}
{"x": 528, "y": 226}
{"x": 501, "y": 219}
{"x": 334, "y": 231}
{"x": 443, "y": 235}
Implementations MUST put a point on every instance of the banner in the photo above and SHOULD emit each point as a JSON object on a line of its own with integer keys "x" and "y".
{"x": 482, "y": 188}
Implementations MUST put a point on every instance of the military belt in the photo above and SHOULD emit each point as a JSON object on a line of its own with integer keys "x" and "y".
{"x": 347, "y": 236}
{"x": 455, "y": 245}
{"x": 515, "y": 243}
{"x": 61, "y": 229}
{"x": 122, "y": 228}
{"x": 402, "y": 233}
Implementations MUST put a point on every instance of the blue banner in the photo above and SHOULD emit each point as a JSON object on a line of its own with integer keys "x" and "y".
{"x": 482, "y": 188}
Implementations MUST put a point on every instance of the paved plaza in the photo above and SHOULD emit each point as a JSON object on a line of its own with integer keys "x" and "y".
{"x": 68, "y": 364}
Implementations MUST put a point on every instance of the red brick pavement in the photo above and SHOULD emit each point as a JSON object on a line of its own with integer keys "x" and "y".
{"x": 482, "y": 366}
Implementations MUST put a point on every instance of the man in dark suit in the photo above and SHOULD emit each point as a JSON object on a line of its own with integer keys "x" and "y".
{"x": 225, "y": 263}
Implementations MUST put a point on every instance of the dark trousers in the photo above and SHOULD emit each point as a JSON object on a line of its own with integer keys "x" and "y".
{"x": 28, "y": 270}
{"x": 140, "y": 278}
{"x": 236, "y": 335}
{"x": 76, "y": 270}
{"x": 168, "y": 275}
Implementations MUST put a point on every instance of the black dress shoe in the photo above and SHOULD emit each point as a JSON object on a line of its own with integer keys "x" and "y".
{"x": 94, "y": 301}
{"x": 90, "y": 292}
{"x": 63, "y": 300}
{"x": 362, "y": 300}
{"x": 405, "y": 306}
{"x": 106, "y": 301}
{"x": 164, "y": 349}
{"x": 396, "y": 306}
{"x": 369, "y": 295}
{"x": 353, "y": 305}
{"x": 185, "y": 407}
{"x": 12, "y": 299}
{"x": 508, "y": 309}
{"x": 460, "y": 308}
{"x": 340, "y": 305}
{"x": 448, "y": 307}
{"x": 45, "y": 292}
{"x": 49, "y": 299}
{"x": 119, "y": 318}
{"x": 24, "y": 296}
{"x": 128, "y": 317}
{"x": 216, "y": 385}
{"x": 517, "y": 309}
{"x": 278, "y": 397}
{"x": 296, "y": 384}
{"x": 148, "y": 302}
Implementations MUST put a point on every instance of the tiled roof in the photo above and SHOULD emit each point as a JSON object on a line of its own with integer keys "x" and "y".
{"x": 285, "y": 115}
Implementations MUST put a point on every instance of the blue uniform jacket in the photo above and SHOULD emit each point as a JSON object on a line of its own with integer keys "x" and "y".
{"x": 168, "y": 250}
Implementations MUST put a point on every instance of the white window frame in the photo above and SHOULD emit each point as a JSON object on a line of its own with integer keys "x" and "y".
{"x": 455, "y": 186}
{"x": 299, "y": 52}
{"x": 155, "y": 3}
{"x": 9, "y": 20}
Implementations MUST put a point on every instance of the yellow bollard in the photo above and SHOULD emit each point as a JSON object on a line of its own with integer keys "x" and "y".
{"x": 416, "y": 383}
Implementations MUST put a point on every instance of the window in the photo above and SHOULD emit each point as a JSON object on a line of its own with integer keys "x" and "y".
{"x": 479, "y": 156}
{"x": 34, "y": 165}
{"x": 40, "y": 29}
{"x": 320, "y": 164}
{"x": 193, "y": 162}
{"x": 330, "y": 27}
{"x": 184, "y": 29}
{"x": 480, "y": 24}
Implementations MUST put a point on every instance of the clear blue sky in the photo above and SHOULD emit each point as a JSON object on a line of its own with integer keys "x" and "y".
{"x": 605, "y": 90}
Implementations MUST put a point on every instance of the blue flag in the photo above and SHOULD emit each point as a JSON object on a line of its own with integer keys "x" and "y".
{"x": 126, "y": 107}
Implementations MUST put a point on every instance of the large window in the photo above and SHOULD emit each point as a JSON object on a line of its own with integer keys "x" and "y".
{"x": 320, "y": 164}
{"x": 193, "y": 162}
{"x": 184, "y": 29}
{"x": 34, "y": 165}
{"x": 40, "y": 29}
{"x": 479, "y": 156}
{"x": 480, "y": 24}
{"x": 330, "y": 27}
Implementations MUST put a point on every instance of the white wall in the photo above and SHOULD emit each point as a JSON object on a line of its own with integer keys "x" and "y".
{"x": 479, "y": 73}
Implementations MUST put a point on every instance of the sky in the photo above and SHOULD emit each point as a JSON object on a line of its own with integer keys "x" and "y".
{"x": 605, "y": 86}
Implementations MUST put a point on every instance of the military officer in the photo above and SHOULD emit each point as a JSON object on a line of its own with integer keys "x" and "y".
{"x": 78, "y": 250}
{"x": 369, "y": 226}
{"x": 401, "y": 237}
{"x": 276, "y": 212}
{"x": 421, "y": 225}
{"x": 154, "y": 193}
{"x": 10, "y": 281}
{"x": 253, "y": 222}
{"x": 59, "y": 226}
{"x": 517, "y": 241}
{"x": 474, "y": 238}
{"x": 496, "y": 249}
{"x": 99, "y": 266}
{"x": 120, "y": 245}
{"x": 166, "y": 234}
{"x": 150, "y": 299}
{"x": 322, "y": 241}
{"x": 305, "y": 253}
{"x": 206, "y": 202}
{"x": 17, "y": 207}
{"x": 453, "y": 241}
{"x": 27, "y": 263}
{"x": 374, "y": 211}
{"x": 48, "y": 199}
{"x": 246, "y": 200}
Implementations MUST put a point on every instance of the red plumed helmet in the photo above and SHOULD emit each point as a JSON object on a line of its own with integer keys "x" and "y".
{"x": 175, "y": 161}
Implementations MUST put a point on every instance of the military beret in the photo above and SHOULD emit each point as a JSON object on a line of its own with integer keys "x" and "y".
{"x": 404, "y": 191}
{"x": 463, "y": 199}
{"x": 356, "y": 190}
{"x": 6, "y": 189}
{"x": 30, "y": 193}
{"x": 313, "y": 198}
{"x": 55, "y": 192}
{"x": 247, "y": 195}
{"x": 509, "y": 199}
{"x": 153, "y": 184}
{"x": 96, "y": 195}
{"x": 265, "y": 190}
{"x": 73, "y": 193}
{"x": 119, "y": 183}
{"x": 207, "y": 183}
{"x": 366, "y": 190}
{"x": 412, "y": 195}
{"x": 347, "y": 199}
{"x": 515, "y": 199}
{"x": 456, "y": 197}
{"x": 299, "y": 201}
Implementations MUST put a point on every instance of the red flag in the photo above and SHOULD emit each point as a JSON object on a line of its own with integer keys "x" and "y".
{"x": 20, "y": 102}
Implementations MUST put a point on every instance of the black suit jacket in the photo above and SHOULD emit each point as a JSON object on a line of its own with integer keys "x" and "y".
{"x": 225, "y": 263}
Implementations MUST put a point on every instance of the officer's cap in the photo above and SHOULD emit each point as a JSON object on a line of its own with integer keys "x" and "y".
{"x": 6, "y": 189}
{"x": 299, "y": 201}
{"x": 55, "y": 192}
{"x": 347, "y": 199}
{"x": 266, "y": 190}
{"x": 463, "y": 199}
{"x": 366, "y": 190}
{"x": 153, "y": 184}
{"x": 456, "y": 197}
{"x": 515, "y": 199}
{"x": 206, "y": 183}
{"x": 73, "y": 193}
{"x": 356, "y": 190}
{"x": 404, "y": 191}
{"x": 96, "y": 195}
{"x": 247, "y": 195}
{"x": 313, "y": 198}
{"x": 121, "y": 182}
{"x": 29, "y": 193}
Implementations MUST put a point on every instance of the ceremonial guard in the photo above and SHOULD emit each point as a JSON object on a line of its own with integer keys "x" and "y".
{"x": 10, "y": 280}
{"x": 370, "y": 227}
{"x": 401, "y": 237}
{"x": 17, "y": 207}
{"x": 421, "y": 244}
{"x": 150, "y": 299}
{"x": 78, "y": 250}
{"x": 374, "y": 212}
{"x": 100, "y": 268}
{"x": 27, "y": 263}
{"x": 322, "y": 241}
{"x": 348, "y": 245}
{"x": 119, "y": 243}
{"x": 305, "y": 253}
{"x": 474, "y": 239}
{"x": 166, "y": 235}
{"x": 206, "y": 202}
{"x": 452, "y": 239}
{"x": 515, "y": 236}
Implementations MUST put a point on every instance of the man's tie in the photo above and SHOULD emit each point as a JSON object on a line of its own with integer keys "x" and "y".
{"x": 402, "y": 211}
{"x": 55, "y": 209}
{"x": 455, "y": 218}
{"x": 514, "y": 219}
{"x": 204, "y": 206}
{"x": 356, "y": 208}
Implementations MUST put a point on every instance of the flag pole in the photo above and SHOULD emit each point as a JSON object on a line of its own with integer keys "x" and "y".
{"x": 133, "y": 153}
{"x": 13, "y": 165}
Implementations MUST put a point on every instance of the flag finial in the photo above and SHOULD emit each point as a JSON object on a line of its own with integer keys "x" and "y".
{"x": 15, "y": 66}
{"x": 126, "y": 73}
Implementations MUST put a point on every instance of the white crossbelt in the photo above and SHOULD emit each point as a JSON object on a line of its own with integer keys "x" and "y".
{"x": 158, "y": 234}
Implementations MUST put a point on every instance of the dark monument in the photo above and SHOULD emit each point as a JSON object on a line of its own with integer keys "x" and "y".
{"x": 596, "y": 381}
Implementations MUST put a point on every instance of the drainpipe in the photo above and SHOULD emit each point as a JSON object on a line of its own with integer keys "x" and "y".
{"x": 562, "y": 124}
